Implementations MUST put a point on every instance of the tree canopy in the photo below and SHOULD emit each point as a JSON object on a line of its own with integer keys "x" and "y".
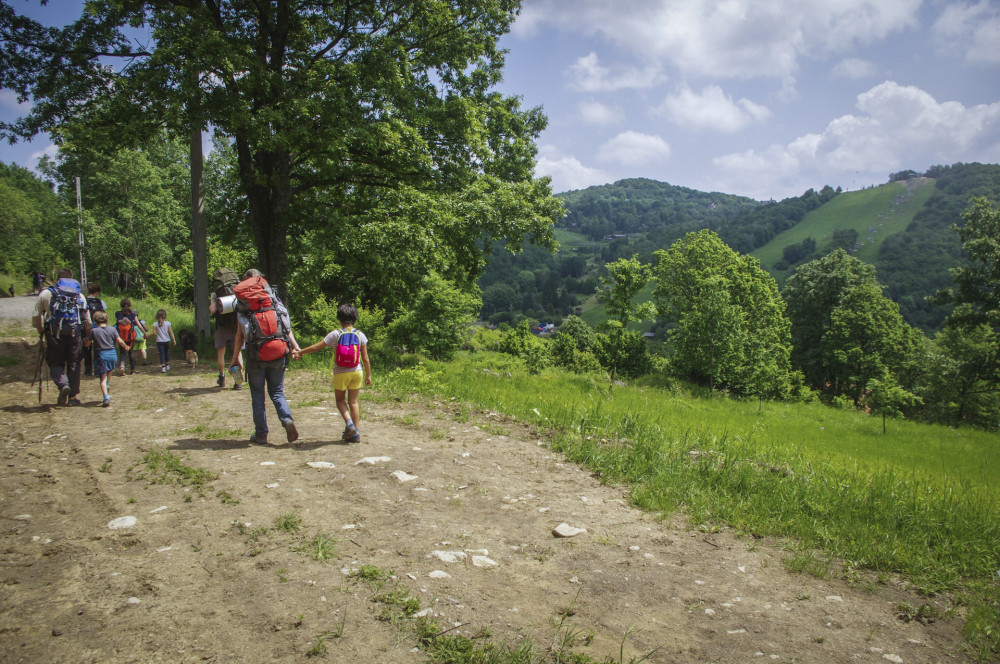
{"x": 372, "y": 121}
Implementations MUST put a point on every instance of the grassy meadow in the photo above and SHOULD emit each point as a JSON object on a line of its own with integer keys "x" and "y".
{"x": 860, "y": 210}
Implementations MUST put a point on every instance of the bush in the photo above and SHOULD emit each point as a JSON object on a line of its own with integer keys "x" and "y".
{"x": 439, "y": 320}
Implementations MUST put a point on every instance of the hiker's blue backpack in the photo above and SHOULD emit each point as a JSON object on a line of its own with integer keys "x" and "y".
{"x": 347, "y": 352}
{"x": 64, "y": 308}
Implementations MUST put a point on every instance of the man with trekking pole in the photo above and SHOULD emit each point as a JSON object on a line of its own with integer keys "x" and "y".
{"x": 62, "y": 320}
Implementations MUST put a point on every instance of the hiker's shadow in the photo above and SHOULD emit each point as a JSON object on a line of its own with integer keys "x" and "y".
{"x": 192, "y": 391}
{"x": 27, "y": 410}
{"x": 205, "y": 444}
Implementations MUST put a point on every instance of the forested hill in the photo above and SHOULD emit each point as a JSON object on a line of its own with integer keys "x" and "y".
{"x": 638, "y": 216}
{"x": 659, "y": 211}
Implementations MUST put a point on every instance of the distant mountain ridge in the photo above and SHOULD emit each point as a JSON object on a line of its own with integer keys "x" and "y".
{"x": 903, "y": 227}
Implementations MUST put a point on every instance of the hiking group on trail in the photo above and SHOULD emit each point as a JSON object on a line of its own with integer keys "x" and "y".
{"x": 249, "y": 317}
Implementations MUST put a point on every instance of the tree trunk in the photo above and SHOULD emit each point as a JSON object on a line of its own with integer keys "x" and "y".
{"x": 199, "y": 242}
{"x": 265, "y": 177}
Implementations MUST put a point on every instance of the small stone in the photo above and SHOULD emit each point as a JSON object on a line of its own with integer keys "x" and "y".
{"x": 423, "y": 613}
{"x": 56, "y": 632}
{"x": 134, "y": 600}
{"x": 893, "y": 658}
{"x": 348, "y": 526}
{"x": 122, "y": 522}
{"x": 483, "y": 562}
{"x": 574, "y": 579}
{"x": 158, "y": 509}
{"x": 439, "y": 574}
{"x": 371, "y": 461}
{"x": 267, "y": 463}
{"x": 403, "y": 476}
{"x": 273, "y": 485}
{"x": 320, "y": 464}
{"x": 449, "y": 556}
{"x": 23, "y": 517}
{"x": 633, "y": 548}
{"x": 165, "y": 549}
{"x": 543, "y": 510}
{"x": 835, "y": 598}
{"x": 566, "y": 530}
{"x": 709, "y": 612}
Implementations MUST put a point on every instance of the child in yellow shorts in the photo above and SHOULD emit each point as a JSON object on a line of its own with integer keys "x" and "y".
{"x": 350, "y": 368}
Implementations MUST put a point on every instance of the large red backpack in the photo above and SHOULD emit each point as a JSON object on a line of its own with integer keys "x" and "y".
{"x": 268, "y": 338}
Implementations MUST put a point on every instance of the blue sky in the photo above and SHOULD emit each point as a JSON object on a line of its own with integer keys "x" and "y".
{"x": 764, "y": 98}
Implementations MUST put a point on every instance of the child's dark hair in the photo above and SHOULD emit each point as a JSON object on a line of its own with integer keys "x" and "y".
{"x": 93, "y": 288}
{"x": 100, "y": 317}
{"x": 346, "y": 313}
{"x": 161, "y": 315}
{"x": 126, "y": 304}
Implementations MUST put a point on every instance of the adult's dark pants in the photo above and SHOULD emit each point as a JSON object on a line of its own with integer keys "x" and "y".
{"x": 88, "y": 359}
{"x": 62, "y": 354}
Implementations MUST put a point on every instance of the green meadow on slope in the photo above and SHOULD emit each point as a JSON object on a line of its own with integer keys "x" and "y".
{"x": 874, "y": 213}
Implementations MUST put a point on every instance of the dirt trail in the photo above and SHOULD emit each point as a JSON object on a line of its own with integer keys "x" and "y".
{"x": 207, "y": 578}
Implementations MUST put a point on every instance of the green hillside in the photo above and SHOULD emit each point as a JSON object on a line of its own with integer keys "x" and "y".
{"x": 874, "y": 213}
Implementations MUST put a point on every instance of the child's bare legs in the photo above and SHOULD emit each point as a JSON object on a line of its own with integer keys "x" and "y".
{"x": 105, "y": 383}
{"x": 347, "y": 404}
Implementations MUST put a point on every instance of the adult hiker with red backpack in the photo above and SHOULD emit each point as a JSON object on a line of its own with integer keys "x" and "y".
{"x": 265, "y": 333}
{"x": 61, "y": 316}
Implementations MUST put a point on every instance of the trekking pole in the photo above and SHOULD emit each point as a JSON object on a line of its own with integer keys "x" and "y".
{"x": 38, "y": 365}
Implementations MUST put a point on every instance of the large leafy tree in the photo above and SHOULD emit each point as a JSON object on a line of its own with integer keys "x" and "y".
{"x": 730, "y": 324}
{"x": 977, "y": 284}
{"x": 845, "y": 332}
{"x": 370, "y": 120}
{"x": 135, "y": 226}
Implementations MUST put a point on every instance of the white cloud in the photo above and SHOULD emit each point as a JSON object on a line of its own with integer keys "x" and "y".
{"x": 596, "y": 113}
{"x": 854, "y": 69}
{"x": 631, "y": 148}
{"x": 712, "y": 110}
{"x": 50, "y": 150}
{"x": 566, "y": 171}
{"x": 971, "y": 29}
{"x": 588, "y": 75}
{"x": 897, "y": 127}
{"x": 743, "y": 38}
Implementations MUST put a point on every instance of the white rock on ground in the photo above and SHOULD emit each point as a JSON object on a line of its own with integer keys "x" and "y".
{"x": 439, "y": 574}
{"x": 449, "y": 556}
{"x": 403, "y": 476}
{"x": 320, "y": 464}
{"x": 483, "y": 562}
{"x": 566, "y": 530}
{"x": 371, "y": 461}
{"x": 122, "y": 522}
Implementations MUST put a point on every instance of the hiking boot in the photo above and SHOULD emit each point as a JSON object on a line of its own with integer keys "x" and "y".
{"x": 63, "y": 395}
{"x": 73, "y": 402}
{"x": 290, "y": 431}
{"x": 107, "y": 402}
{"x": 237, "y": 386}
{"x": 258, "y": 439}
{"x": 355, "y": 438}
{"x": 349, "y": 432}
{"x": 221, "y": 381}
{"x": 121, "y": 370}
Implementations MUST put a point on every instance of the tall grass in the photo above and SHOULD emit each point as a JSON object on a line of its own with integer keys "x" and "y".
{"x": 921, "y": 501}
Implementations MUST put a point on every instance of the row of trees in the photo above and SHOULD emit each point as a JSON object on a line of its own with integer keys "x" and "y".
{"x": 830, "y": 331}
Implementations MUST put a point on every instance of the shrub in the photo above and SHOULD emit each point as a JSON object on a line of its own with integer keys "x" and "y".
{"x": 439, "y": 320}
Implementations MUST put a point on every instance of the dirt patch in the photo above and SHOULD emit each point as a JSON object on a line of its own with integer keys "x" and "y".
{"x": 208, "y": 575}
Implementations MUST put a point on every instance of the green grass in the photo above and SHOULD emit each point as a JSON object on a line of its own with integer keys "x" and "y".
{"x": 922, "y": 500}
{"x": 860, "y": 210}
{"x": 162, "y": 467}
